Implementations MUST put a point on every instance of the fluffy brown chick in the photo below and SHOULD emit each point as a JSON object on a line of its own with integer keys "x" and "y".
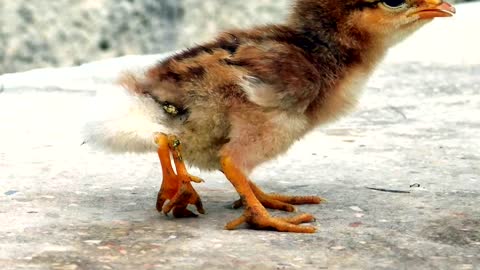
{"x": 246, "y": 97}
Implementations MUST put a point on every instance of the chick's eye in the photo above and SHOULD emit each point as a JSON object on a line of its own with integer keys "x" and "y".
{"x": 394, "y": 4}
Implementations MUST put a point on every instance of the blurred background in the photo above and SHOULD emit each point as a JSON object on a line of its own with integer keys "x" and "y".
{"x": 45, "y": 33}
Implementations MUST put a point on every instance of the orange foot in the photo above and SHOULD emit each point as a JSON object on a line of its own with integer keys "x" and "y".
{"x": 261, "y": 220}
{"x": 176, "y": 187}
{"x": 279, "y": 202}
{"x": 255, "y": 213}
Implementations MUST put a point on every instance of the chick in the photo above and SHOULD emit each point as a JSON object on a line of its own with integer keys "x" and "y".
{"x": 246, "y": 97}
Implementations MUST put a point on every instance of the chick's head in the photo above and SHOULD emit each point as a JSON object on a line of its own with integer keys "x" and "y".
{"x": 391, "y": 21}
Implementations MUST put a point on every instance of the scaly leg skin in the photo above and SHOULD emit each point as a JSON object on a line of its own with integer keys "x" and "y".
{"x": 279, "y": 202}
{"x": 255, "y": 214}
{"x": 176, "y": 187}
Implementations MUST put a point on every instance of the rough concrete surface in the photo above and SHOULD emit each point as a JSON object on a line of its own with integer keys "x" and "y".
{"x": 68, "y": 206}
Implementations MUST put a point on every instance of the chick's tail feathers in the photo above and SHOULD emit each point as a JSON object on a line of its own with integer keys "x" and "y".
{"x": 123, "y": 121}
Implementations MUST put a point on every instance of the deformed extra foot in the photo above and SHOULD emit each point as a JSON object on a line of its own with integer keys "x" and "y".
{"x": 178, "y": 199}
{"x": 176, "y": 187}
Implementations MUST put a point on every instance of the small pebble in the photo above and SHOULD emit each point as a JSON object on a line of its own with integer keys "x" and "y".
{"x": 128, "y": 188}
{"x": 356, "y": 208}
{"x": 67, "y": 267}
{"x": 92, "y": 242}
{"x": 355, "y": 224}
{"x": 10, "y": 192}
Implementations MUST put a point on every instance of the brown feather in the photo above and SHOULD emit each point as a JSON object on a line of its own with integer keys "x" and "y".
{"x": 252, "y": 93}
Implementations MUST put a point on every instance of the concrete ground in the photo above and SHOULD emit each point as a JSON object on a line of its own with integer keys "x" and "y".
{"x": 68, "y": 206}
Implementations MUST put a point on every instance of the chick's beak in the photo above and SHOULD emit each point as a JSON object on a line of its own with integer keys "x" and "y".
{"x": 433, "y": 9}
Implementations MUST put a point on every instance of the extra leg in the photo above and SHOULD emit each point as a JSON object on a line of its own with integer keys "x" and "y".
{"x": 255, "y": 214}
{"x": 279, "y": 202}
{"x": 176, "y": 187}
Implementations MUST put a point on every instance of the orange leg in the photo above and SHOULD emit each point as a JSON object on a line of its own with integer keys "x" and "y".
{"x": 176, "y": 187}
{"x": 255, "y": 214}
{"x": 279, "y": 202}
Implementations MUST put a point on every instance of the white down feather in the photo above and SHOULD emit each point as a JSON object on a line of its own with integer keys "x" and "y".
{"x": 121, "y": 121}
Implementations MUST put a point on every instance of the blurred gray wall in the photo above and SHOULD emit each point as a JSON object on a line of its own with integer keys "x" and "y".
{"x": 44, "y": 33}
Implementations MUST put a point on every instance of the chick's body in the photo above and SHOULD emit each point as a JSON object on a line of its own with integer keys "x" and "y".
{"x": 251, "y": 94}
{"x": 246, "y": 97}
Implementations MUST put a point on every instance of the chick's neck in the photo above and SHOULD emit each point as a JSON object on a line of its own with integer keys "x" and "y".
{"x": 331, "y": 38}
